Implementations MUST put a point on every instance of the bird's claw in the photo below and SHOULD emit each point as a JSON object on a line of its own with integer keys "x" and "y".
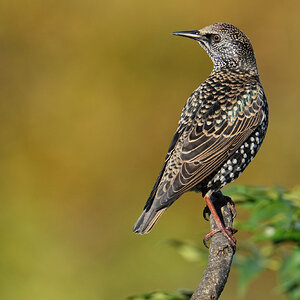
{"x": 228, "y": 233}
{"x": 206, "y": 213}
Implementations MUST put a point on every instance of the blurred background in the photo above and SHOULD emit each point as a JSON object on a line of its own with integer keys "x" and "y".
{"x": 91, "y": 92}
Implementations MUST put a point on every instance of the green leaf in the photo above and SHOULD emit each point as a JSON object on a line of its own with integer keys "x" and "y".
{"x": 289, "y": 274}
{"x": 279, "y": 235}
{"x": 249, "y": 266}
{"x": 293, "y": 195}
{"x": 185, "y": 292}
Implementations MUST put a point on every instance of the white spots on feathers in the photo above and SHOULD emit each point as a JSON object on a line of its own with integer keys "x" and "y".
{"x": 234, "y": 166}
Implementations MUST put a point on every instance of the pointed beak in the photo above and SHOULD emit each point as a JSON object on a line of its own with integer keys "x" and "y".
{"x": 192, "y": 34}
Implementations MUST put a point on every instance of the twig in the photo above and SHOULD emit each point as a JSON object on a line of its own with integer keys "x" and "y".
{"x": 220, "y": 257}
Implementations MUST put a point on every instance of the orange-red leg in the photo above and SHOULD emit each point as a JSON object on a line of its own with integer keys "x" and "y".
{"x": 228, "y": 232}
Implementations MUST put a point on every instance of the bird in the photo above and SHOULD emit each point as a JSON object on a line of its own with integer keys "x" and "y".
{"x": 220, "y": 130}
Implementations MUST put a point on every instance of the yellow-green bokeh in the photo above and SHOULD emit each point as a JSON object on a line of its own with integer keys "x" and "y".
{"x": 91, "y": 92}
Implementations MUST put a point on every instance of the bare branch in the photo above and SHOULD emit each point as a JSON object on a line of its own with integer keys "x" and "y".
{"x": 220, "y": 256}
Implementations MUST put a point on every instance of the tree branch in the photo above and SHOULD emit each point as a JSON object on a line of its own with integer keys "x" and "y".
{"x": 220, "y": 255}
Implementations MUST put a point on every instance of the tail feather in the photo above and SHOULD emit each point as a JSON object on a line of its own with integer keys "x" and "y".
{"x": 147, "y": 220}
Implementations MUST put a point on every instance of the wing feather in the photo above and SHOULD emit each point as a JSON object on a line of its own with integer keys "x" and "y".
{"x": 208, "y": 142}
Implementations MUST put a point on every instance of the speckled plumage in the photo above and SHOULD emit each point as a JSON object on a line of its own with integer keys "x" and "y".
{"x": 221, "y": 126}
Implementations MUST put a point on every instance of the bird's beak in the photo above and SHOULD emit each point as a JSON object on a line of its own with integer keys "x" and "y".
{"x": 192, "y": 34}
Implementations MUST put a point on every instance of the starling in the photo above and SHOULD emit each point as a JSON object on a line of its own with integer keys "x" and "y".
{"x": 220, "y": 130}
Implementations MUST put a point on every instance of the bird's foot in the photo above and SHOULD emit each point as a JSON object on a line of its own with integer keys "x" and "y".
{"x": 228, "y": 233}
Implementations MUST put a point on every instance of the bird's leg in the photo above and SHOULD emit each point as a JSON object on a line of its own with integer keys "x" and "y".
{"x": 230, "y": 204}
{"x": 228, "y": 232}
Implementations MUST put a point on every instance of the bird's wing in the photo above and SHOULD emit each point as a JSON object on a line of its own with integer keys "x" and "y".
{"x": 184, "y": 122}
{"x": 168, "y": 155}
{"x": 214, "y": 136}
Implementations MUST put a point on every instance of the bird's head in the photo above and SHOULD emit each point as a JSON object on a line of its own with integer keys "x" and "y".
{"x": 227, "y": 46}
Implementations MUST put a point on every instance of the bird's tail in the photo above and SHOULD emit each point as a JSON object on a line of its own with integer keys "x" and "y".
{"x": 147, "y": 220}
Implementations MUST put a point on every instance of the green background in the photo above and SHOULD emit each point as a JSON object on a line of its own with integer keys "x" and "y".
{"x": 91, "y": 92}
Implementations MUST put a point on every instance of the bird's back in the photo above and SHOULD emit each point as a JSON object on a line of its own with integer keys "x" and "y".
{"x": 218, "y": 117}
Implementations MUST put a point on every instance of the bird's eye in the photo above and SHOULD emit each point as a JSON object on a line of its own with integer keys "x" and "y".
{"x": 217, "y": 38}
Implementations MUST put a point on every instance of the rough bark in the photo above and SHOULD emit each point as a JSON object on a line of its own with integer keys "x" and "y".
{"x": 220, "y": 256}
